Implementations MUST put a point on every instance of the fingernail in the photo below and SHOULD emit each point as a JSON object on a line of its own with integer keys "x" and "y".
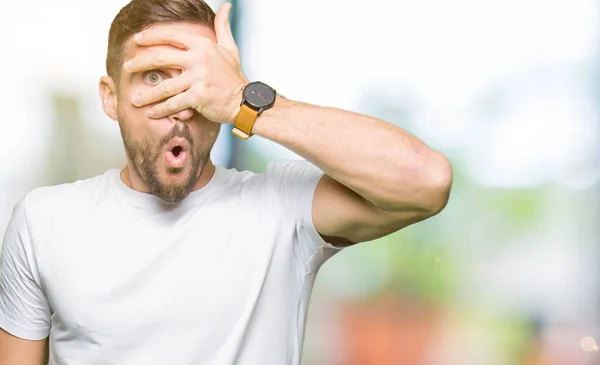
{"x": 137, "y": 99}
{"x": 151, "y": 113}
{"x": 127, "y": 65}
{"x": 137, "y": 37}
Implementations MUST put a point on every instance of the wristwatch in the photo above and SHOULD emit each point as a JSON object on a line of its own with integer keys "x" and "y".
{"x": 256, "y": 98}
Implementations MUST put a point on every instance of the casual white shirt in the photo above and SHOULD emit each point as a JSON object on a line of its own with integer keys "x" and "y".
{"x": 115, "y": 276}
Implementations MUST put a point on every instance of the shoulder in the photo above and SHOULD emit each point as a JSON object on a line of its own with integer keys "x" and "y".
{"x": 282, "y": 167}
{"x": 53, "y": 197}
{"x": 280, "y": 177}
{"x": 279, "y": 172}
{"x": 293, "y": 173}
{"x": 233, "y": 176}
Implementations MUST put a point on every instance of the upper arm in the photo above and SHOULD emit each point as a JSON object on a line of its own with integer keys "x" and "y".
{"x": 14, "y": 350}
{"x": 344, "y": 217}
{"x": 24, "y": 308}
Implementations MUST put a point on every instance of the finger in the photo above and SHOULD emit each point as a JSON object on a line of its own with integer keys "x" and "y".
{"x": 165, "y": 58}
{"x": 166, "y": 34}
{"x": 173, "y": 105}
{"x": 223, "y": 29}
{"x": 163, "y": 90}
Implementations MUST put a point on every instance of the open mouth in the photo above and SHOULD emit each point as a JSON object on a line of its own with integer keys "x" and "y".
{"x": 176, "y": 153}
{"x": 176, "y": 150}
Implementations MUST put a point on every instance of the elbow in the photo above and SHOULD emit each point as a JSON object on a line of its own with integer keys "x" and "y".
{"x": 438, "y": 183}
{"x": 425, "y": 191}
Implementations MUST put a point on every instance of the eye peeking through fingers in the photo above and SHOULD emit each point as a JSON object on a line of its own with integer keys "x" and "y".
{"x": 153, "y": 77}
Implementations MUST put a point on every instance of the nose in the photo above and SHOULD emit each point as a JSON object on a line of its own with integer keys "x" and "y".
{"x": 182, "y": 116}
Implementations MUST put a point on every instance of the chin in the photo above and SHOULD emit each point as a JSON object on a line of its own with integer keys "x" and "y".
{"x": 173, "y": 184}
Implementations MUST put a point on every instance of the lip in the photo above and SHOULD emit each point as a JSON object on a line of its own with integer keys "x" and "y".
{"x": 178, "y": 141}
{"x": 172, "y": 161}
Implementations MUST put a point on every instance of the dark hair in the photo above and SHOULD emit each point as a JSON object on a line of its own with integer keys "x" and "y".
{"x": 141, "y": 14}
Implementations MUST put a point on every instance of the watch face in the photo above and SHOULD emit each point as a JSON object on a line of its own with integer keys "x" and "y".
{"x": 259, "y": 95}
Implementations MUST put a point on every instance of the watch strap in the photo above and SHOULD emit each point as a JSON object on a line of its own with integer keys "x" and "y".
{"x": 244, "y": 122}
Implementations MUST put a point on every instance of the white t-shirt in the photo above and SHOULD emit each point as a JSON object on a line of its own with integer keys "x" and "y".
{"x": 115, "y": 276}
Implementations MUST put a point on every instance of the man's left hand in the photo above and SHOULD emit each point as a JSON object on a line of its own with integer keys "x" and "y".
{"x": 211, "y": 80}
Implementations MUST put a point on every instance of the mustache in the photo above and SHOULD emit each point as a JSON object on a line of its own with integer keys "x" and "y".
{"x": 180, "y": 130}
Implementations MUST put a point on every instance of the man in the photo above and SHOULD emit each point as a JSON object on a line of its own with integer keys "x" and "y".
{"x": 173, "y": 260}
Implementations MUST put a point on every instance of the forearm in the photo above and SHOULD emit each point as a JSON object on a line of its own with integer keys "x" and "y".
{"x": 381, "y": 162}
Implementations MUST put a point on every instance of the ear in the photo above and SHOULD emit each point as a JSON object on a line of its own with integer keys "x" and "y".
{"x": 108, "y": 96}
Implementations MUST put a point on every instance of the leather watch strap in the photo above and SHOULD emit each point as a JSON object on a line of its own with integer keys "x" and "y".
{"x": 244, "y": 122}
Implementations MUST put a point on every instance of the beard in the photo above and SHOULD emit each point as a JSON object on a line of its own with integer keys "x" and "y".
{"x": 144, "y": 156}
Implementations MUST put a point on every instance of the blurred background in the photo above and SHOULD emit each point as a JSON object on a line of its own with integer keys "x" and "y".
{"x": 509, "y": 90}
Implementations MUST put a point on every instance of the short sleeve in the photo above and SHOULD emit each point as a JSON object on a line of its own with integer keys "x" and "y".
{"x": 24, "y": 309}
{"x": 295, "y": 183}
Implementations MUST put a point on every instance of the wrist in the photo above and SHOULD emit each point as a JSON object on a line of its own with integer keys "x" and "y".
{"x": 236, "y": 103}
{"x": 272, "y": 119}
{"x": 257, "y": 97}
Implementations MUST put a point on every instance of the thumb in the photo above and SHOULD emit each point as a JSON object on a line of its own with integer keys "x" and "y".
{"x": 223, "y": 30}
